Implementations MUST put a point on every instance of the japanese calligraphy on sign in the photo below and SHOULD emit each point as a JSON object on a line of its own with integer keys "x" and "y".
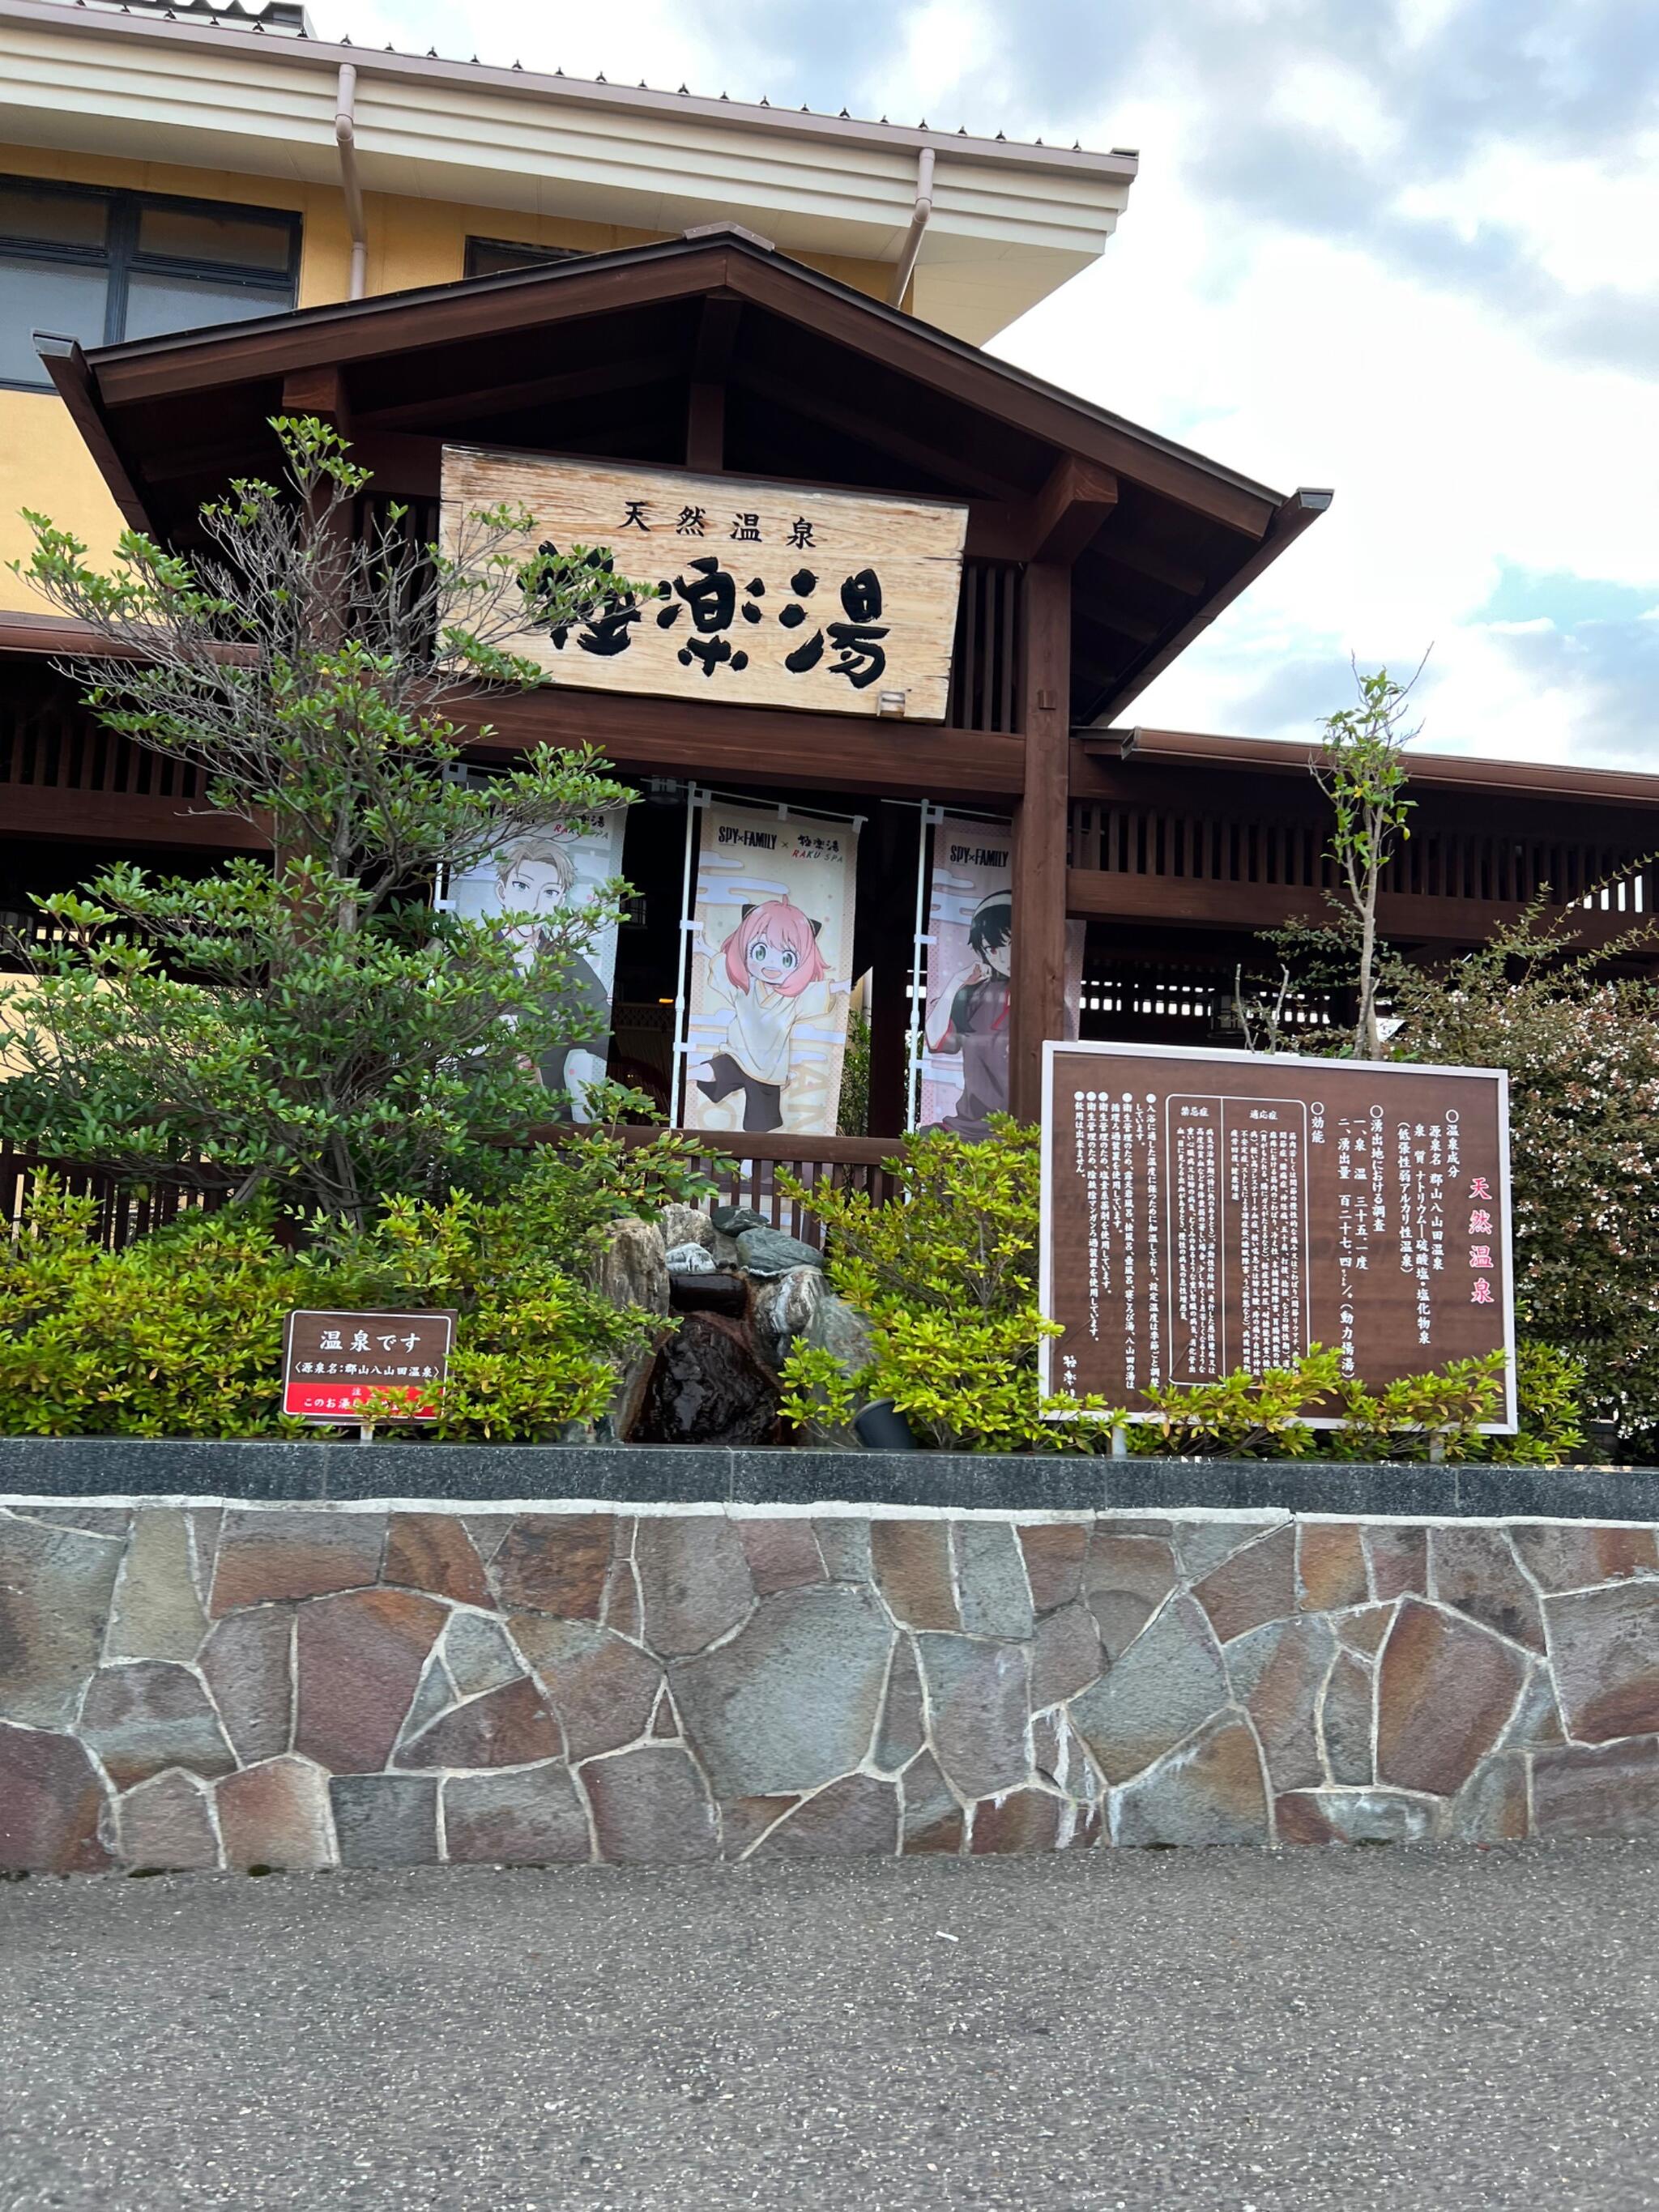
{"x": 769, "y": 595}
{"x": 1205, "y": 1212}
{"x": 333, "y": 1363}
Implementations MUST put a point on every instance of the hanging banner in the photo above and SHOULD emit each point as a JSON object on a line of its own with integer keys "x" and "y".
{"x": 535, "y": 875}
{"x": 969, "y": 957}
{"x": 771, "y": 969}
{"x": 766, "y": 594}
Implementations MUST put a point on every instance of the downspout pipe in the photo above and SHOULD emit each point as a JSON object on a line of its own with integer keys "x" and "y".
{"x": 920, "y": 219}
{"x": 345, "y": 134}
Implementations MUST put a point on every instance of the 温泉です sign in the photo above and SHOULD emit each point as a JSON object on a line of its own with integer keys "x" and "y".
{"x": 334, "y": 1363}
{"x": 769, "y": 594}
{"x": 1211, "y": 1213}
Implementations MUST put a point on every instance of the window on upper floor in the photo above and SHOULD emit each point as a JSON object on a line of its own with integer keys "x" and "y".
{"x": 489, "y": 257}
{"x": 101, "y": 266}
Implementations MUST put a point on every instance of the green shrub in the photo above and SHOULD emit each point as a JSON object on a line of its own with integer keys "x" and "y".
{"x": 947, "y": 1278}
{"x": 180, "y": 1333}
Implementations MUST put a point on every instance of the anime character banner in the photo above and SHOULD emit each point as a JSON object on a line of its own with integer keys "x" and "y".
{"x": 970, "y": 926}
{"x": 537, "y": 874}
{"x": 771, "y": 961}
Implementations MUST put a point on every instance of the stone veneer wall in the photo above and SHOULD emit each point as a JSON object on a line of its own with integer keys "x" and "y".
{"x": 197, "y": 1685}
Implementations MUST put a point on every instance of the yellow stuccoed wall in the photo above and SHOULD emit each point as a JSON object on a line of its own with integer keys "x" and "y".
{"x": 43, "y": 463}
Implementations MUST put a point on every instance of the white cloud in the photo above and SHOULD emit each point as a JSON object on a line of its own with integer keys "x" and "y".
{"x": 1306, "y": 347}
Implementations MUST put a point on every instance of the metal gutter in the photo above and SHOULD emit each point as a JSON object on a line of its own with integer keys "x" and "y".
{"x": 1120, "y": 165}
{"x": 919, "y": 223}
{"x": 345, "y": 136}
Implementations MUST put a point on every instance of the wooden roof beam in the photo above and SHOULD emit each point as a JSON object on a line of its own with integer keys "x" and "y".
{"x": 1056, "y": 522}
{"x": 476, "y": 402}
{"x": 66, "y": 365}
{"x": 878, "y": 437}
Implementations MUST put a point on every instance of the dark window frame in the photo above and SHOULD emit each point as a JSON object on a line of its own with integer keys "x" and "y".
{"x": 535, "y": 257}
{"x": 121, "y": 259}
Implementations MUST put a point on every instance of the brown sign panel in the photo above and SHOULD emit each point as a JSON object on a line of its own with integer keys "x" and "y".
{"x": 771, "y": 594}
{"x": 1205, "y": 1212}
{"x": 333, "y": 1363}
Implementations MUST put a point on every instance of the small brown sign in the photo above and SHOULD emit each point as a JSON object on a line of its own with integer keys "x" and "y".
{"x": 1209, "y": 1212}
{"x": 334, "y": 1363}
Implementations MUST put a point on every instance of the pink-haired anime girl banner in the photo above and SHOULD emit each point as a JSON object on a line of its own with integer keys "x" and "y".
{"x": 771, "y": 961}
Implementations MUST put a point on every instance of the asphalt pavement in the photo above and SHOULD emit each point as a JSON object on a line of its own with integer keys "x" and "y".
{"x": 1403, "y": 2027}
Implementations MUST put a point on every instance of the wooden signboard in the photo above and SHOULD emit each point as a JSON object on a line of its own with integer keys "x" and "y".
{"x": 333, "y": 1363}
{"x": 773, "y": 595}
{"x": 1205, "y": 1212}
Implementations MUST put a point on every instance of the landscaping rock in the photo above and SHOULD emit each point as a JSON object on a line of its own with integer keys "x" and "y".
{"x": 632, "y": 1267}
{"x": 783, "y": 1310}
{"x": 679, "y": 1225}
{"x": 732, "y": 1220}
{"x": 689, "y": 1259}
{"x": 707, "y": 1387}
{"x": 763, "y": 1251}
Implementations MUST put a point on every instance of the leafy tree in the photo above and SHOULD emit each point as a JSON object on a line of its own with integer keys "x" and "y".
{"x": 1361, "y": 771}
{"x": 1581, "y": 1044}
{"x": 307, "y": 1025}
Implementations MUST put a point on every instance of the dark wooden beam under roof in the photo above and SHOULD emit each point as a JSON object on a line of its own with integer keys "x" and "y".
{"x": 1294, "y": 515}
{"x": 637, "y": 276}
{"x": 559, "y": 388}
{"x": 66, "y": 365}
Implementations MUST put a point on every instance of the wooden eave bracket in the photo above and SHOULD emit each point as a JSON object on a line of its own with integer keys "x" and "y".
{"x": 1055, "y": 524}
{"x": 66, "y": 365}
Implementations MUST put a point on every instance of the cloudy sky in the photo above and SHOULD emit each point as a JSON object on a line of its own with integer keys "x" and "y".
{"x": 1407, "y": 248}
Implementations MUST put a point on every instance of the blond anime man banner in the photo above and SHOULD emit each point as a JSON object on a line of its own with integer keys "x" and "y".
{"x": 771, "y": 961}
{"x": 532, "y": 879}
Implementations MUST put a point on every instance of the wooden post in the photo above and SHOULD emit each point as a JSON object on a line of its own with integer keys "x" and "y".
{"x": 1038, "y": 976}
{"x": 892, "y": 957}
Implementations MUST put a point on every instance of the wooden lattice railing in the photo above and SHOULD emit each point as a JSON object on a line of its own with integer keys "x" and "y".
{"x": 747, "y": 1178}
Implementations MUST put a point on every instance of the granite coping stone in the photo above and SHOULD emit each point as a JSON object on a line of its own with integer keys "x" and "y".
{"x": 665, "y": 1474}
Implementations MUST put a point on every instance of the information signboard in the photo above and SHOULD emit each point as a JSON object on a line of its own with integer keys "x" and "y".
{"x": 334, "y": 1363}
{"x": 1205, "y": 1212}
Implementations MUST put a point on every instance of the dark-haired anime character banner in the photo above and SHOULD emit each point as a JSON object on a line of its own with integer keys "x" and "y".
{"x": 771, "y": 955}
{"x": 971, "y": 930}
